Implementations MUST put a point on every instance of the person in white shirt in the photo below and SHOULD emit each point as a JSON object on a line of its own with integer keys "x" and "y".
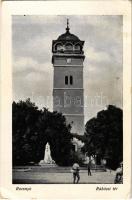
{"x": 76, "y": 169}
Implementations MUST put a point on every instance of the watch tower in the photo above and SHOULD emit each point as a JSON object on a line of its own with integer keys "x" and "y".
{"x": 68, "y": 94}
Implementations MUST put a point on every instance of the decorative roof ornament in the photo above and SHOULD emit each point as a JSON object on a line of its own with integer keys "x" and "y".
{"x": 67, "y": 28}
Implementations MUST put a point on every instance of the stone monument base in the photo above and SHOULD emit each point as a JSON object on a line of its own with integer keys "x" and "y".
{"x": 43, "y": 164}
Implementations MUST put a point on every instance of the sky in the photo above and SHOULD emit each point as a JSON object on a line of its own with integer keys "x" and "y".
{"x": 32, "y": 53}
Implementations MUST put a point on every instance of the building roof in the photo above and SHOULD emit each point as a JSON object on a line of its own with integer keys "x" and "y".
{"x": 67, "y": 35}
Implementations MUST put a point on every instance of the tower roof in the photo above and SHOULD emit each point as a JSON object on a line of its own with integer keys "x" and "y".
{"x": 67, "y": 35}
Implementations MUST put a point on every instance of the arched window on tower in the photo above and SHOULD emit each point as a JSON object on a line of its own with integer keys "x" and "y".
{"x": 71, "y": 80}
{"x": 69, "y": 47}
{"x": 66, "y": 80}
{"x": 77, "y": 47}
{"x": 58, "y": 47}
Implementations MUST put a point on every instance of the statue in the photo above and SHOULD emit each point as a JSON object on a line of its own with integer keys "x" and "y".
{"x": 47, "y": 155}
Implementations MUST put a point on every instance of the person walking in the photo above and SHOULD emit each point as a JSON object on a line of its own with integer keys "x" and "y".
{"x": 76, "y": 169}
{"x": 89, "y": 169}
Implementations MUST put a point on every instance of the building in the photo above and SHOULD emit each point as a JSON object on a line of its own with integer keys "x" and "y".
{"x": 68, "y": 92}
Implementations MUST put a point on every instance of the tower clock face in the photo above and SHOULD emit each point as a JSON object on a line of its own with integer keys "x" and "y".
{"x": 68, "y": 60}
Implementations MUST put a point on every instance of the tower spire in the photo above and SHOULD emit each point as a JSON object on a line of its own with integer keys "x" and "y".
{"x": 67, "y": 28}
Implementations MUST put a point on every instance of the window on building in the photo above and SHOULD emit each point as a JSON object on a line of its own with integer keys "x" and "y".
{"x": 69, "y": 46}
{"x": 71, "y": 80}
{"x": 77, "y": 47}
{"x": 66, "y": 80}
{"x": 58, "y": 47}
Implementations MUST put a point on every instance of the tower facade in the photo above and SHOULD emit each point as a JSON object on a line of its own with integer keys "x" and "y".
{"x": 68, "y": 94}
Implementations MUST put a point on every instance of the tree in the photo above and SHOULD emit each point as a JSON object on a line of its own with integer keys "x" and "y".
{"x": 58, "y": 135}
{"x": 104, "y": 136}
{"x": 33, "y": 128}
{"x": 25, "y": 133}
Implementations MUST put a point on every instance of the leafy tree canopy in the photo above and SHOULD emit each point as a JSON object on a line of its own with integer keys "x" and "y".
{"x": 33, "y": 128}
{"x": 104, "y": 136}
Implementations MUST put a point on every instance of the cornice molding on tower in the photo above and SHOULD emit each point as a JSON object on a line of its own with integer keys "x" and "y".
{"x": 68, "y": 55}
{"x": 68, "y": 88}
{"x": 67, "y": 65}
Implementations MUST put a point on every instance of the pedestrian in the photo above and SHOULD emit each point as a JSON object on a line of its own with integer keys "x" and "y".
{"x": 119, "y": 174}
{"x": 89, "y": 169}
{"x": 76, "y": 169}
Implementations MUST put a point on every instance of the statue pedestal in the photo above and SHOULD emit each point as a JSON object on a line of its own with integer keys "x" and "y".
{"x": 43, "y": 164}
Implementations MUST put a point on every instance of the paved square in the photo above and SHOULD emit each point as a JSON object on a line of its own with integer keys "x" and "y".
{"x": 39, "y": 175}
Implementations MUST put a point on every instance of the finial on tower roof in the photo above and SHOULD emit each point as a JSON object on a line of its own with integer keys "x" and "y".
{"x": 67, "y": 28}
